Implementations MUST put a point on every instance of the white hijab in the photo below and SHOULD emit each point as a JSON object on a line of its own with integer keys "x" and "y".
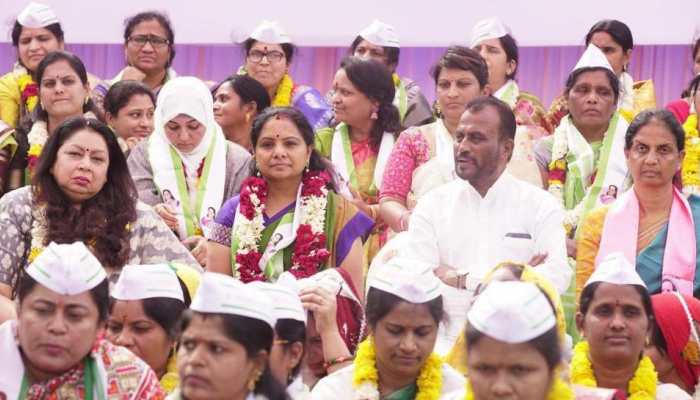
{"x": 190, "y": 96}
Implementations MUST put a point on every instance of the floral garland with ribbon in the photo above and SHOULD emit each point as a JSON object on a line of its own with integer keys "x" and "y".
{"x": 365, "y": 377}
{"x": 556, "y": 178}
{"x": 29, "y": 91}
{"x": 310, "y": 244}
{"x": 690, "y": 170}
{"x": 641, "y": 387}
{"x": 283, "y": 95}
{"x": 38, "y": 232}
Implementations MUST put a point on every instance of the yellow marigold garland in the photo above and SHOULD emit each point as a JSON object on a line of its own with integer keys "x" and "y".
{"x": 283, "y": 96}
{"x": 397, "y": 80}
{"x": 559, "y": 390}
{"x": 690, "y": 170}
{"x": 29, "y": 91}
{"x": 365, "y": 376}
{"x": 641, "y": 387}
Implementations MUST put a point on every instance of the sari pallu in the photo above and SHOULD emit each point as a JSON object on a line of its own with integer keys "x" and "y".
{"x": 649, "y": 260}
{"x": 343, "y": 225}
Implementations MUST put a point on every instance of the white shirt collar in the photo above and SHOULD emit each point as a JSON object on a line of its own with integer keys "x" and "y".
{"x": 502, "y": 184}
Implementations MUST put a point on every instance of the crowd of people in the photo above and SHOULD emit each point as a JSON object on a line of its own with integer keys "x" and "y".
{"x": 162, "y": 236}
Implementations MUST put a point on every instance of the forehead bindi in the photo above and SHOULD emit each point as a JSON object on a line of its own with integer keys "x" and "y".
{"x": 262, "y": 46}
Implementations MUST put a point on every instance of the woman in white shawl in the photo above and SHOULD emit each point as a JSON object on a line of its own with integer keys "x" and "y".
{"x": 187, "y": 161}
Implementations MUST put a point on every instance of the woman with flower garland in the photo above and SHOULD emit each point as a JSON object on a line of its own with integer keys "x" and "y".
{"x": 585, "y": 154}
{"x": 35, "y": 33}
{"x": 82, "y": 191}
{"x": 423, "y": 157}
{"x": 396, "y": 362}
{"x": 225, "y": 345}
{"x": 55, "y": 349}
{"x": 514, "y": 345}
{"x": 615, "y": 318}
{"x": 268, "y": 55}
{"x": 653, "y": 224}
{"x": 64, "y": 93}
{"x": 188, "y": 156}
{"x": 674, "y": 343}
{"x": 615, "y": 40}
{"x": 144, "y": 310}
{"x": 361, "y": 144}
{"x": 287, "y": 217}
{"x": 238, "y": 99}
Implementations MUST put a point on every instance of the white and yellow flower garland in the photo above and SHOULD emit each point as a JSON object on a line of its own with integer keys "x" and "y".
{"x": 691, "y": 163}
{"x": 365, "y": 378}
{"x": 557, "y": 177}
{"x": 642, "y": 386}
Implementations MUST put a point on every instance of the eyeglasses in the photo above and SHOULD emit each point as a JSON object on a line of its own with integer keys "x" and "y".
{"x": 155, "y": 41}
{"x": 273, "y": 56}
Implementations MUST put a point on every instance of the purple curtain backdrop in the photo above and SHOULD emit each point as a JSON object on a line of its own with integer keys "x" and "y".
{"x": 542, "y": 70}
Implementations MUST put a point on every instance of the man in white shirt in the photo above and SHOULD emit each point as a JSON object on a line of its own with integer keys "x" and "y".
{"x": 468, "y": 226}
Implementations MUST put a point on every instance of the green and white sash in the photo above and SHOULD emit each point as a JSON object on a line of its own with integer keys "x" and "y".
{"x": 508, "y": 93}
{"x": 192, "y": 197}
{"x": 611, "y": 168}
{"x": 341, "y": 156}
{"x": 401, "y": 100}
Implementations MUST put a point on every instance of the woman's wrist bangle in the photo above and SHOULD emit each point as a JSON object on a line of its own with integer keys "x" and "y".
{"x": 335, "y": 361}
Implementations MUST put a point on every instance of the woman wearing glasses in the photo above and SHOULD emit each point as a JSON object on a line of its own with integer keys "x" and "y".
{"x": 149, "y": 46}
{"x": 269, "y": 52}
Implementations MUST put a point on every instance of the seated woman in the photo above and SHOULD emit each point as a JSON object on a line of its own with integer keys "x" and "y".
{"x": 64, "y": 92}
{"x": 268, "y": 55}
{"x": 585, "y": 154}
{"x": 82, "y": 191}
{"x": 288, "y": 346}
{"x": 35, "y": 33}
{"x": 493, "y": 40}
{"x": 145, "y": 307}
{"x": 149, "y": 48}
{"x": 55, "y": 350}
{"x": 225, "y": 345}
{"x": 188, "y": 156}
{"x": 423, "y": 157}
{"x": 615, "y": 318}
{"x": 254, "y": 236}
{"x": 507, "y": 271}
{"x": 129, "y": 108}
{"x": 511, "y": 327}
{"x": 652, "y": 224}
{"x": 396, "y": 361}
{"x": 681, "y": 108}
{"x": 360, "y": 145}
{"x": 379, "y": 42}
{"x": 238, "y": 99}
{"x": 674, "y": 335}
{"x": 614, "y": 39}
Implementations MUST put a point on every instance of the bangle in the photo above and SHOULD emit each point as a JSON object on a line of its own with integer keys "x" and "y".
{"x": 403, "y": 223}
{"x": 335, "y": 361}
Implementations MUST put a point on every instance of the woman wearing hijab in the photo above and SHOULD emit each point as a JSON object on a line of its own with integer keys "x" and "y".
{"x": 185, "y": 156}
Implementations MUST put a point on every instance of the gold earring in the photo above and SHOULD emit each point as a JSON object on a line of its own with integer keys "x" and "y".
{"x": 247, "y": 117}
{"x": 253, "y": 380}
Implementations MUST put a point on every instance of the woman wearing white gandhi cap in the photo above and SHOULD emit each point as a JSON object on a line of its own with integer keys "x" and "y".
{"x": 54, "y": 349}
{"x": 379, "y": 41}
{"x": 144, "y": 310}
{"x": 396, "y": 361}
{"x": 225, "y": 343}
{"x": 514, "y": 349}
{"x": 289, "y": 344}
